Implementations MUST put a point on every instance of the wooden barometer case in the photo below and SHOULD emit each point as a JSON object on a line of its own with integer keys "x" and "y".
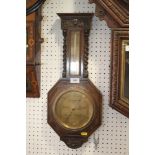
{"x": 74, "y": 103}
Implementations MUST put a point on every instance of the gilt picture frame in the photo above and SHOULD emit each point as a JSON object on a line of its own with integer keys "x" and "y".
{"x": 119, "y": 96}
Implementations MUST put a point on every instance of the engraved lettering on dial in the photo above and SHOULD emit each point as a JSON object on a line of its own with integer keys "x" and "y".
{"x": 73, "y": 109}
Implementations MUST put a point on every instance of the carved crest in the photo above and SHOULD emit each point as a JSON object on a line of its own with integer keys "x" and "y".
{"x": 115, "y": 13}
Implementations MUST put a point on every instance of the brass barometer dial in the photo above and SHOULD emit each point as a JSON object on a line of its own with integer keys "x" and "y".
{"x": 73, "y": 110}
{"x": 74, "y": 103}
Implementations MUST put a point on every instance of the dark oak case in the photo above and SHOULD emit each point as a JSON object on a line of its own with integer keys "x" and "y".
{"x": 74, "y": 138}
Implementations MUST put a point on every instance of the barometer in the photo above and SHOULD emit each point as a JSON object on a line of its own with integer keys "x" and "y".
{"x": 74, "y": 103}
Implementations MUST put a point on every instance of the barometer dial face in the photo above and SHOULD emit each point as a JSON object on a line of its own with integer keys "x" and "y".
{"x": 73, "y": 110}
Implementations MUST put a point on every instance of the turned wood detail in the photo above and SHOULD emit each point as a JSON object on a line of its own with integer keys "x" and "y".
{"x": 80, "y": 22}
{"x": 64, "y": 53}
{"x": 85, "y": 58}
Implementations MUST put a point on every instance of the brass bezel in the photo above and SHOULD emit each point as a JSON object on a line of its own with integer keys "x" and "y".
{"x": 92, "y": 102}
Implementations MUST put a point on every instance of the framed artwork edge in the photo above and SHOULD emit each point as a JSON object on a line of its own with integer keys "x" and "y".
{"x": 116, "y": 102}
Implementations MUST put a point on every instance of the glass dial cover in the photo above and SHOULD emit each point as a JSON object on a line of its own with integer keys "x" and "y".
{"x": 73, "y": 109}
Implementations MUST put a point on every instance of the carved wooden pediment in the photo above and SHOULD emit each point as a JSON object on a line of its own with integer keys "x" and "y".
{"x": 114, "y": 12}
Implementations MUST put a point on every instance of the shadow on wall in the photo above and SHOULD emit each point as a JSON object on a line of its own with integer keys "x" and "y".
{"x": 56, "y": 31}
{"x": 57, "y": 36}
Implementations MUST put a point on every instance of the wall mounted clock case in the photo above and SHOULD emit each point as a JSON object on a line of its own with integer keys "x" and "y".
{"x": 33, "y": 41}
{"x": 74, "y": 103}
